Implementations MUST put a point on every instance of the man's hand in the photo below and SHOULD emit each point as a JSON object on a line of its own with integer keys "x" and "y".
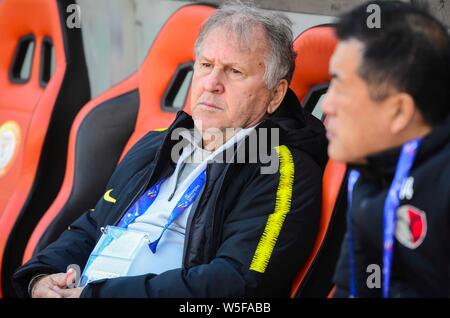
{"x": 55, "y": 286}
{"x": 71, "y": 292}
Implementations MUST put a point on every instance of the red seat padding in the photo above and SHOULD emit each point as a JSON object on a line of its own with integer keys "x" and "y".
{"x": 332, "y": 181}
{"x": 170, "y": 49}
{"x": 27, "y": 104}
{"x": 35, "y": 117}
{"x": 314, "y": 48}
{"x": 173, "y": 47}
{"x": 67, "y": 192}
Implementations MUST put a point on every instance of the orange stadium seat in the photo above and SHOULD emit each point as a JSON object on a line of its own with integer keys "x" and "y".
{"x": 43, "y": 84}
{"x": 314, "y": 48}
{"x": 109, "y": 125}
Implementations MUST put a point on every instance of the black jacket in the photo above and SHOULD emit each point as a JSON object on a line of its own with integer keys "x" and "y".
{"x": 421, "y": 257}
{"x": 239, "y": 210}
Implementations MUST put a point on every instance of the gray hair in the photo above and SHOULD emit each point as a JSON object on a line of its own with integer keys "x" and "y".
{"x": 241, "y": 19}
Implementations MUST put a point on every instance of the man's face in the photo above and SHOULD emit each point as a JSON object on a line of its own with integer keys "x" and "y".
{"x": 228, "y": 87}
{"x": 356, "y": 125}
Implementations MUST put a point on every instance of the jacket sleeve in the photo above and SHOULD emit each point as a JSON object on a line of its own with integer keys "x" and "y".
{"x": 341, "y": 274}
{"x": 265, "y": 237}
{"x": 76, "y": 243}
{"x": 72, "y": 247}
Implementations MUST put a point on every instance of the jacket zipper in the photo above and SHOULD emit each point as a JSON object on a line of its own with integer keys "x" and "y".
{"x": 214, "y": 239}
{"x": 188, "y": 226}
{"x": 223, "y": 183}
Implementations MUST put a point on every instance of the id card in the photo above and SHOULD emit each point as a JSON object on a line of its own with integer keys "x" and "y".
{"x": 119, "y": 252}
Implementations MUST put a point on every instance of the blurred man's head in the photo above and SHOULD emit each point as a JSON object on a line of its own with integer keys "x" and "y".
{"x": 389, "y": 84}
{"x": 244, "y": 63}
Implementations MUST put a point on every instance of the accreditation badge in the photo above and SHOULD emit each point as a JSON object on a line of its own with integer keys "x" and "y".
{"x": 119, "y": 252}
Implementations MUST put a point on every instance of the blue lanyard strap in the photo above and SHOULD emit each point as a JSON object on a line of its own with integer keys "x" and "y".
{"x": 136, "y": 210}
{"x": 186, "y": 200}
{"x": 404, "y": 164}
{"x": 147, "y": 199}
{"x": 391, "y": 204}
{"x": 141, "y": 205}
{"x": 353, "y": 177}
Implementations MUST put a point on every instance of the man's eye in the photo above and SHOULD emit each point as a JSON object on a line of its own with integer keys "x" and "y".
{"x": 207, "y": 65}
{"x": 235, "y": 71}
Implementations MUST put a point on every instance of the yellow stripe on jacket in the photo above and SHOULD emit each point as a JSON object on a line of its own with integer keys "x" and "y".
{"x": 276, "y": 219}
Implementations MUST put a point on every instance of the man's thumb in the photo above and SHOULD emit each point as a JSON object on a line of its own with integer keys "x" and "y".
{"x": 60, "y": 280}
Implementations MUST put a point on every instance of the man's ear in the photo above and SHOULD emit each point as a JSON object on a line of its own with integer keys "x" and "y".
{"x": 402, "y": 112}
{"x": 278, "y": 94}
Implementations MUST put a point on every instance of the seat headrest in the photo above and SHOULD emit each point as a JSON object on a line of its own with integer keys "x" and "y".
{"x": 173, "y": 46}
{"x": 31, "y": 17}
{"x": 314, "y": 48}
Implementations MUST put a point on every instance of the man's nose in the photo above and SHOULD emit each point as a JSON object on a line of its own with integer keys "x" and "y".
{"x": 213, "y": 82}
{"x": 328, "y": 104}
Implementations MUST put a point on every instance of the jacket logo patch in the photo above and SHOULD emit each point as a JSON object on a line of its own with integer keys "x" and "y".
{"x": 108, "y": 198}
{"x": 411, "y": 227}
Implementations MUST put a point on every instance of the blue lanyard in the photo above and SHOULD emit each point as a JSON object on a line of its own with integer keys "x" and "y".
{"x": 141, "y": 205}
{"x": 147, "y": 199}
{"x": 186, "y": 200}
{"x": 404, "y": 164}
{"x": 353, "y": 177}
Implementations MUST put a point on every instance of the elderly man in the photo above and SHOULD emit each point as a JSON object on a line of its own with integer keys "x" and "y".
{"x": 387, "y": 111}
{"x": 197, "y": 226}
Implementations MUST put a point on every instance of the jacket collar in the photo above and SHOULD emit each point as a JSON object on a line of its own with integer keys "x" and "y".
{"x": 384, "y": 163}
{"x": 298, "y": 129}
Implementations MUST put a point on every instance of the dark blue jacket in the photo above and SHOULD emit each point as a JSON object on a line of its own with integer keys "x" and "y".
{"x": 421, "y": 257}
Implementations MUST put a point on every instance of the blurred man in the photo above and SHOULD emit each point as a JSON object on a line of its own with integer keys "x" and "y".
{"x": 388, "y": 117}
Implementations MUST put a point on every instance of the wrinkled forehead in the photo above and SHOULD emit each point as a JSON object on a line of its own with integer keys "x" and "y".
{"x": 250, "y": 38}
